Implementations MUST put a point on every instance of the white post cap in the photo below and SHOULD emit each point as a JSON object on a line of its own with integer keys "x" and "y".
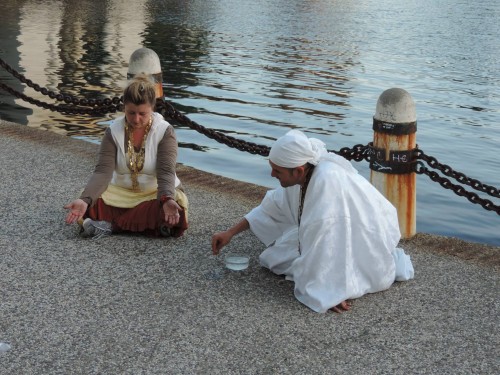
{"x": 144, "y": 60}
{"x": 395, "y": 106}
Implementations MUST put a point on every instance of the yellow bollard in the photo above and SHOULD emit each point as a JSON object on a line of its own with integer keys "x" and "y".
{"x": 145, "y": 60}
{"x": 393, "y": 155}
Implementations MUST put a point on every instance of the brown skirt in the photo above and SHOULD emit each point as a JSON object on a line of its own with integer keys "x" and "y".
{"x": 147, "y": 217}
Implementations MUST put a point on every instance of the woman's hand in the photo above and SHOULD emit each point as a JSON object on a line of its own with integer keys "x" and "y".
{"x": 171, "y": 212}
{"x": 77, "y": 209}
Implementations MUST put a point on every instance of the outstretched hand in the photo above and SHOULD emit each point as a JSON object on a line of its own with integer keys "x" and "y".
{"x": 77, "y": 209}
{"x": 171, "y": 212}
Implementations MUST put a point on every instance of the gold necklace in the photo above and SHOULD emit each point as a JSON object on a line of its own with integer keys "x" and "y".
{"x": 136, "y": 159}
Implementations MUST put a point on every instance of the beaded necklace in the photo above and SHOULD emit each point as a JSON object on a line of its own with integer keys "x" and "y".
{"x": 136, "y": 159}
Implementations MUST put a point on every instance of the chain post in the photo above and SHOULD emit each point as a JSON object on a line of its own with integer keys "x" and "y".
{"x": 146, "y": 61}
{"x": 392, "y": 161}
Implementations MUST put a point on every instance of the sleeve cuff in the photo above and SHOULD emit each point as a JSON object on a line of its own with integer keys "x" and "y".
{"x": 165, "y": 198}
{"x": 87, "y": 200}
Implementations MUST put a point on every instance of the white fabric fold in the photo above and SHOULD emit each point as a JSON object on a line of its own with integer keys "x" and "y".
{"x": 347, "y": 235}
{"x": 404, "y": 267}
{"x": 294, "y": 149}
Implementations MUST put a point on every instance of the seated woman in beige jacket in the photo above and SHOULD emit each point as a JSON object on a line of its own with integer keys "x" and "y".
{"x": 134, "y": 187}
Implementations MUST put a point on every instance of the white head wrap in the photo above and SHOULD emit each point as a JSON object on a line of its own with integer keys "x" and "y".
{"x": 295, "y": 149}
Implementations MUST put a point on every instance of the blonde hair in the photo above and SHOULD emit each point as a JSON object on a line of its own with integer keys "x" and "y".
{"x": 140, "y": 90}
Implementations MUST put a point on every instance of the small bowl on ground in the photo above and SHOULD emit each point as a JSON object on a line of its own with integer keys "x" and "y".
{"x": 236, "y": 262}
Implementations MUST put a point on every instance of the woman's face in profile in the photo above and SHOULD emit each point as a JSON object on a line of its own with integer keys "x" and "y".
{"x": 138, "y": 116}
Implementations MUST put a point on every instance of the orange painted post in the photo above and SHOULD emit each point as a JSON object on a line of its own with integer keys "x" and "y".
{"x": 145, "y": 60}
{"x": 392, "y": 159}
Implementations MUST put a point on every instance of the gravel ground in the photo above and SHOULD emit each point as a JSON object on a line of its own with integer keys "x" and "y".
{"x": 136, "y": 305}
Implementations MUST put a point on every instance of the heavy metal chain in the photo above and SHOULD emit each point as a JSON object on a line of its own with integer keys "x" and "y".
{"x": 458, "y": 189}
{"x": 168, "y": 111}
{"x": 359, "y": 152}
{"x": 64, "y": 108}
{"x": 99, "y": 106}
{"x": 460, "y": 177}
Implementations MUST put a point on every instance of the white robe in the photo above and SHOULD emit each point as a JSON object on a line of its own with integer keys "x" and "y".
{"x": 348, "y": 237}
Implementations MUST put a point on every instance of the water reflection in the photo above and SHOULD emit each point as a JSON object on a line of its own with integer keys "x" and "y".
{"x": 80, "y": 50}
{"x": 10, "y": 29}
{"x": 82, "y": 47}
{"x": 74, "y": 47}
{"x": 179, "y": 49}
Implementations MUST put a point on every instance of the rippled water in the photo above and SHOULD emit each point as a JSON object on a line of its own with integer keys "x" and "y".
{"x": 255, "y": 69}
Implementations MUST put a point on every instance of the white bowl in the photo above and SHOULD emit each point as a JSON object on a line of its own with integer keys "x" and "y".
{"x": 236, "y": 262}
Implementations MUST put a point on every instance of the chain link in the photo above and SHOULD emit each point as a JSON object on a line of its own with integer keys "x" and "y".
{"x": 64, "y": 108}
{"x": 168, "y": 111}
{"x": 107, "y": 105}
{"x": 460, "y": 177}
{"x": 359, "y": 152}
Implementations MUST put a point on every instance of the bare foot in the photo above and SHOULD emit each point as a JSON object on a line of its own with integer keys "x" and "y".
{"x": 342, "y": 306}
